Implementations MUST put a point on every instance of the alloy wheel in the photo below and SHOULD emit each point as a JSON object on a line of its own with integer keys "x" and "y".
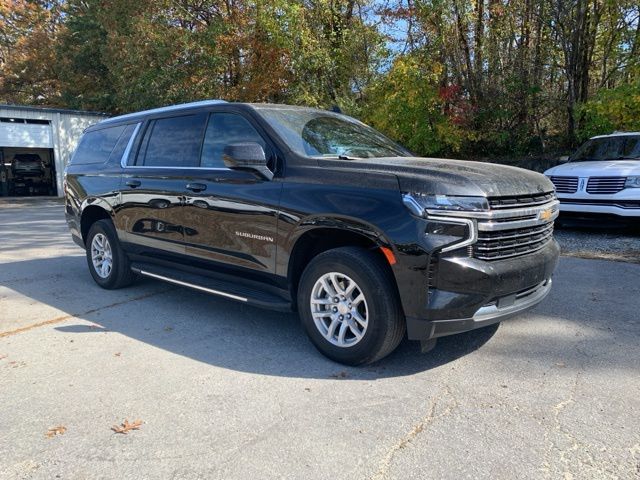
{"x": 101, "y": 255}
{"x": 339, "y": 309}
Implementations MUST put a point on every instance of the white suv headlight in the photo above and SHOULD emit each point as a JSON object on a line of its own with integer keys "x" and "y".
{"x": 632, "y": 182}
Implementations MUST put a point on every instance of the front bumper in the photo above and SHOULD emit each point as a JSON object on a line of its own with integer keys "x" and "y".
{"x": 471, "y": 293}
{"x": 626, "y": 208}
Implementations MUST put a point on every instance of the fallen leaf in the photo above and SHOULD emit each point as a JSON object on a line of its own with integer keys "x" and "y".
{"x": 117, "y": 354}
{"x": 125, "y": 426}
{"x": 59, "y": 430}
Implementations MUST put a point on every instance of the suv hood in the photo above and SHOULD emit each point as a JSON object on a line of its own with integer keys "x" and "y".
{"x": 439, "y": 176}
{"x": 604, "y": 168}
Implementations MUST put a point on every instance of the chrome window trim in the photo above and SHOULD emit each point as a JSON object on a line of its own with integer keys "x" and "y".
{"x": 127, "y": 151}
{"x": 164, "y": 167}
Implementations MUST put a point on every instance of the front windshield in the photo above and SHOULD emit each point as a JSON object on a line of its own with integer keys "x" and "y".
{"x": 316, "y": 133}
{"x": 622, "y": 147}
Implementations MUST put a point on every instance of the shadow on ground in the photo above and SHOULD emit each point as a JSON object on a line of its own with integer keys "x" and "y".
{"x": 230, "y": 335}
{"x": 206, "y": 328}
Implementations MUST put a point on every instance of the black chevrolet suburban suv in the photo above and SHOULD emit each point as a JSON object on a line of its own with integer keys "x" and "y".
{"x": 294, "y": 208}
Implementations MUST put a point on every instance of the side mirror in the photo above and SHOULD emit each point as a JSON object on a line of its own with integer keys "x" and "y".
{"x": 563, "y": 159}
{"x": 247, "y": 156}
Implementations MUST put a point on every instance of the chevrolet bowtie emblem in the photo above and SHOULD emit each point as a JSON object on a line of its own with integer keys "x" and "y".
{"x": 545, "y": 214}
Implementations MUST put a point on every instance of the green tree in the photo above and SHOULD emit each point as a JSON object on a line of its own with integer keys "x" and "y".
{"x": 611, "y": 109}
{"x": 406, "y": 104}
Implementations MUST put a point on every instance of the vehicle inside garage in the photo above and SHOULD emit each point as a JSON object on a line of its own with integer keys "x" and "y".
{"x": 36, "y": 143}
{"x": 27, "y": 172}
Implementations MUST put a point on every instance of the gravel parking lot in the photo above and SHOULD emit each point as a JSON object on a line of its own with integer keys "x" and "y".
{"x": 596, "y": 241}
{"x": 223, "y": 390}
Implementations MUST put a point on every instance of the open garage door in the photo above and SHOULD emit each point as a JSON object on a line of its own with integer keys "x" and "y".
{"x": 27, "y": 161}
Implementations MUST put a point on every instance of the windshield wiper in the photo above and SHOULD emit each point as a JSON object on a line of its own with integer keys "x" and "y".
{"x": 346, "y": 157}
{"x": 624, "y": 158}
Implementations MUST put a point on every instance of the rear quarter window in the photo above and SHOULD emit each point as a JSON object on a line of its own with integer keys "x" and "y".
{"x": 96, "y": 146}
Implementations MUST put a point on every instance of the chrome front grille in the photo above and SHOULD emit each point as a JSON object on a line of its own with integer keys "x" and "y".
{"x": 565, "y": 184}
{"x": 513, "y": 242}
{"x": 516, "y": 231}
{"x": 503, "y": 232}
{"x": 520, "y": 201}
{"x": 605, "y": 185}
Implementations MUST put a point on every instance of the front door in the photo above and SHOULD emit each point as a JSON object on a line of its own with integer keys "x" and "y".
{"x": 231, "y": 216}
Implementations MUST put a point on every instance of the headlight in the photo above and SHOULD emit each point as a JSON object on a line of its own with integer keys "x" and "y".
{"x": 419, "y": 203}
{"x": 441, "y": 232}
{"x": 632, "y": 182}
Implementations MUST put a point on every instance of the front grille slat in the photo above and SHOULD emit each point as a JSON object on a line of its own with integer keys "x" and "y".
{"x": 513, "y": 241}
{"x": 520, "y": 201}
{"x": 512, "y": 252}
{"x": 497, "y": 246}
{"x": 519, "y": 242}
{"x": 605, "y": 185}
{"x": 506, "y": 235}
{"x": 565, "y": 184}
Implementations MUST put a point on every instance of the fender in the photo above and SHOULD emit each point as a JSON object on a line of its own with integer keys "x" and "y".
{"x": 99, "y": 206}
{"x": 339, "y": 223}
{"x": 96, "y": 202}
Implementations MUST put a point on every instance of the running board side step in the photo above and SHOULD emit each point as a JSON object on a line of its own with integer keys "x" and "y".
{"x": 239, "y": 293}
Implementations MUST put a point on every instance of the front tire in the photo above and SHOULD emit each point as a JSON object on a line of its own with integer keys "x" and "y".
{"x": 348, "y": 304}
{"x": 108, "y": 263}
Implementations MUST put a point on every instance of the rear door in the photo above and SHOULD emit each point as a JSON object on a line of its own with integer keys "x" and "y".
{"x": 230, "y": 215}
{"x": 153, "y": 184}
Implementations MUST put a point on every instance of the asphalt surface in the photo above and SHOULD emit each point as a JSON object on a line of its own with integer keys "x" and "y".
{"x": 593, "y": 240}
{"x": 232, "y": 392}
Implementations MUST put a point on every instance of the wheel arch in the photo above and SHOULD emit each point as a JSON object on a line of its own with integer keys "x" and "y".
{"x": 91, "y": 213}
{"x": 312, "y": 240}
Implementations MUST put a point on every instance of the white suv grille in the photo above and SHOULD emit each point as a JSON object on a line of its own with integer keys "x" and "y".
{"x": 565, "y": 184}
{"x": 605, "y": 185}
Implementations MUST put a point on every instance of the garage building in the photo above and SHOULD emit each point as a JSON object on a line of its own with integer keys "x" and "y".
{"x": 35, "y": 145}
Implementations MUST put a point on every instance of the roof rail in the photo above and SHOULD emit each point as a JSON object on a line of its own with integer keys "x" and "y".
{"x": 168, "y": 108}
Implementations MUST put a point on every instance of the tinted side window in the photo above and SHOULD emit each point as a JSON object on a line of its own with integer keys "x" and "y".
{"x": 121, "y": 145}
{"x": 631, "y": 147}
{"x": 224, "y": 129}
{"x": 97, "y": 145}
{"x": 173, "y": 142}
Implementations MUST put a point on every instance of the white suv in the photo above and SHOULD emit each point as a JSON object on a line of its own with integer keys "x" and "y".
{"x": 602, "y": 177}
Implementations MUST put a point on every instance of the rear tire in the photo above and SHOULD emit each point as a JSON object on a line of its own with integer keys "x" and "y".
{"x": 108, "y": 263}
{"x": 349, "y": 306}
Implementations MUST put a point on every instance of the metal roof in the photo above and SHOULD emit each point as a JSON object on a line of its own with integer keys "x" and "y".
{"x": 169, "y": 108}
{"x": 617, "y": 134}
{"x": 31, "y": 108}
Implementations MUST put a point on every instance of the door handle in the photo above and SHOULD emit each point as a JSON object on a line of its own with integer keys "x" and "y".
{"x": 196, "y": 187}
{"x": 133, "y": 183}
